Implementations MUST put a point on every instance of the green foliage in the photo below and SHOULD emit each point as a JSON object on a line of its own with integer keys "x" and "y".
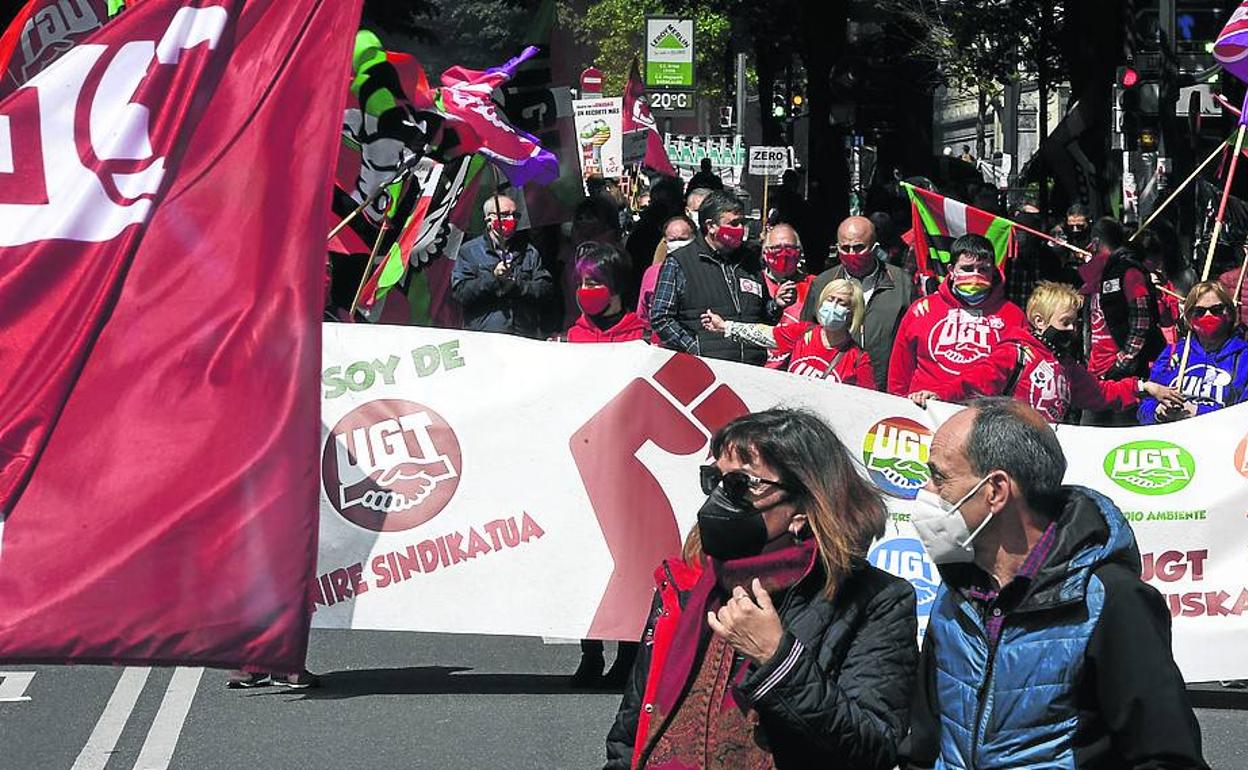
{"x": 985, "y": 44}
{"x": 616, "y": 28}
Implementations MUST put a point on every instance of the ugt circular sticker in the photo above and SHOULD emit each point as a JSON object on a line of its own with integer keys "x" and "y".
{"x": 895, "y": 453}
{"x": 390, "y": 465}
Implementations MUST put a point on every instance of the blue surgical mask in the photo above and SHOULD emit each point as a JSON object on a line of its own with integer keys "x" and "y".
{"x": 833, "y": 316}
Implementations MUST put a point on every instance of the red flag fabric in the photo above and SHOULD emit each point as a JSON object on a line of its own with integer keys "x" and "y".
{"x": 161, "y": 278}
{"x": 637, "y": 116}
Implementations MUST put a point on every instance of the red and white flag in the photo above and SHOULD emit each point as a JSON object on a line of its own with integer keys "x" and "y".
{"x": 637, "y": 116}
{"x": 163, "y": 191}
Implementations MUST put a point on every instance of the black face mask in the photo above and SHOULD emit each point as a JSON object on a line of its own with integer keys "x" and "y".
{"x": 730, "y": 529}
{"x": 1060, "y": 341}
{"x": 1078, "y": 237}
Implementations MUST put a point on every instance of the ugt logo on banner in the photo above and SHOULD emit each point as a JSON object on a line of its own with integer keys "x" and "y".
{"x": 391, "y": 465}
{"x": 895, "y": 453}
{"x": 1150, "y": 467}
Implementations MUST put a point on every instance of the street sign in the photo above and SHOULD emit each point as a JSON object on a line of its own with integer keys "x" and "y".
{"x": 769, "y": 161}
{"x": 669, "y": 52}
{"x": 591, "y": 82}
{"x": 672, "y": 104}
{"x": 635, "y": 146}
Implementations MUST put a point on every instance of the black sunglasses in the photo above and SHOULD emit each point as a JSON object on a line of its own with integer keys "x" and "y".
{"x": 737, "y": 484}
{"x": 1218, "y": 309}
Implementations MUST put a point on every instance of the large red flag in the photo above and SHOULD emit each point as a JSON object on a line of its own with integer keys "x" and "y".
{"x": 637, "y": 116}
{"x": 163, "y": 191}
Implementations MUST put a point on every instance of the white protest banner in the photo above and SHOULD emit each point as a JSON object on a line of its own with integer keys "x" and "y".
{"x": 634, "y": 146}
{"x": 769, "y": 161}
{"x": 481, "y": 483}
{"x": 599, "y": 133}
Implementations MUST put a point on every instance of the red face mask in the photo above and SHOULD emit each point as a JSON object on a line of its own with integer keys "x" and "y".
{"x": 1208, "y": 325}
{"x": 505, "y": 227}
{"x": 782, "y": 260}
{"x": 730, "y": 236}
{"x": 593, "y": 299}
{"x": 858, "y": 263}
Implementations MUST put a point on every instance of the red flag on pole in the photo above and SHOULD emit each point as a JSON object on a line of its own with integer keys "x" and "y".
{"x": 162, "y": 253}
{"x": 637, "y": 116}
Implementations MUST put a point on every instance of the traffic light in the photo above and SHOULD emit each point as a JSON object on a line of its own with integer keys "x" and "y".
{"x": 1137, "y": 108}
{"x": 798, "y": 102}
{"x": 779, "y": 106}
{"x": 725, "y": 117}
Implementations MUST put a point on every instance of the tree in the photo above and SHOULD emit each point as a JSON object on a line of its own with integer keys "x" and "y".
{"x": 401, "y": 17}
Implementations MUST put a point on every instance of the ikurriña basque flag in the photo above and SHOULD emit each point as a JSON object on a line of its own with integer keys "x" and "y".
{"x": 162, "y": 255}
{"x": 938, "y": 221}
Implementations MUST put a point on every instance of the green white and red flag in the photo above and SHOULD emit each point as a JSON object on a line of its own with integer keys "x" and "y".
{"x": 939, "y": 221}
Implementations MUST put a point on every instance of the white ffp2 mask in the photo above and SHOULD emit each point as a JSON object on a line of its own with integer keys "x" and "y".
{"x": 943, "y": 530}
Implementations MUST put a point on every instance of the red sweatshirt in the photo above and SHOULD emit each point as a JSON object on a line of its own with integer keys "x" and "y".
{"x": 1051, "y": 386}
{"x": 801, "y": 345}
{"x": 628, "y": 328}
{"x": 940, "y": 336}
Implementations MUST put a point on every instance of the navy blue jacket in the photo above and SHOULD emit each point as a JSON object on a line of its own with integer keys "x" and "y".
{"x": 1213, "y": 380}
{"x": 1082, "y": 675}
{"x": 510, "y": 305}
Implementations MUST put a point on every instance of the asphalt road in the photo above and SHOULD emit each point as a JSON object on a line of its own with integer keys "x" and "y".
{"x": 389, "y": 700}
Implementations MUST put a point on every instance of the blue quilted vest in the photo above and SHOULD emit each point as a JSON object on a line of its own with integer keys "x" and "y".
{"x": 1014, "y": 706}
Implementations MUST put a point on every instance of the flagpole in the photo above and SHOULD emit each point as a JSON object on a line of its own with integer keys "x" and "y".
{"x": 407, "y": 168}
{"x": 1031, "y": 230}
{"x": 766, "y": 186}
{"x": 381, "y": 236}
{"x": 1217, "y": 229}
{"x": 1170, "y": 198}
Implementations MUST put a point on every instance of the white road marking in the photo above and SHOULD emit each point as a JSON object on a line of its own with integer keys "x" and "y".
{"x": 108, "y": 729}
{"x": 13, "y": 685}
{"x": 162, "y": 739}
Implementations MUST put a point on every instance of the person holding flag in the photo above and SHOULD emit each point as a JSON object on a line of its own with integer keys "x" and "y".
{"x": 498, "y": 278}
{"x": 787, "y": 282}
{"x": 943, "y": 334}
{"x": 1216, "y": 375}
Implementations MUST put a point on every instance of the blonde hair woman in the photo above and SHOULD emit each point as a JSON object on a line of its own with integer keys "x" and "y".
{"x": 825, "y": 350}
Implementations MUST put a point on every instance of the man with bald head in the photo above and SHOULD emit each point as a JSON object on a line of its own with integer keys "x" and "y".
{"x": 784, "y": 273}
{"x": 1044, "y": 647}
{"x": 886, "y": 289}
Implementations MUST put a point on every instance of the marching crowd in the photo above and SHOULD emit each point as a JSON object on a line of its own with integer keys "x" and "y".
{"x": 772, "y": 642}
{"x": 1104, "y": 339}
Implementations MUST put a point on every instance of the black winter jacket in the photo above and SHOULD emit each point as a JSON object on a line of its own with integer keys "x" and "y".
{"x": 836, "y": 693}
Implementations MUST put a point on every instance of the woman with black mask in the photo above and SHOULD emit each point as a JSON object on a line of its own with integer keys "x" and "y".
{"x": 772, "y": 642}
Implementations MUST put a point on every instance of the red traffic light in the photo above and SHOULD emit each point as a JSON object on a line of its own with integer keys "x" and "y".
{"x": 1128, "y": 77}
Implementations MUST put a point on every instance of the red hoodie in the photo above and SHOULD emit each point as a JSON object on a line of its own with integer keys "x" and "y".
{"x": 940, "y": 336}
{"x": 1051, "y": 386}
{"x": 627, "y": 329}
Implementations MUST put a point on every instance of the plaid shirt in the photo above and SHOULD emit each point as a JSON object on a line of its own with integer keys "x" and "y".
{"x": 664, "y": 305}
{"x": 995, "y": 604}
{"x": 1139, "y": 320}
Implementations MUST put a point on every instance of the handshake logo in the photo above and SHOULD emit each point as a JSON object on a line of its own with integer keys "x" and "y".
{"x": 390, "y": 465}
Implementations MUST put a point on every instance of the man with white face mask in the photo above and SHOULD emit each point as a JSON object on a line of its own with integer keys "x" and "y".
{"x": 1044, "y": 647}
